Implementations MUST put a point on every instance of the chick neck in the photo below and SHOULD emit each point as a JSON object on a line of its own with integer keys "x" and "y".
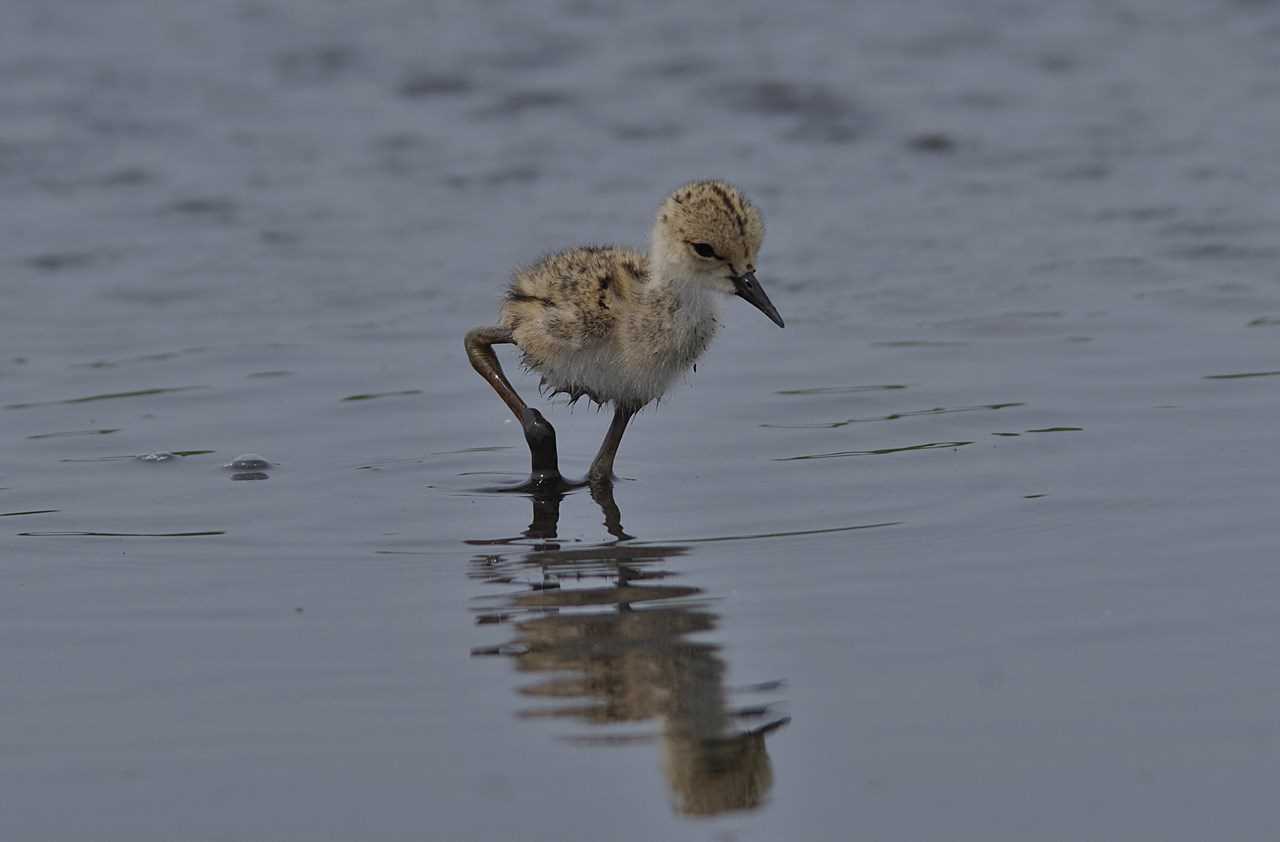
{"x": 671, "y": 276}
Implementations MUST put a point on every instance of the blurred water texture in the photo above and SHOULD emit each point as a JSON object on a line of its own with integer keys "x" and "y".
{"x": 989, "y": 528}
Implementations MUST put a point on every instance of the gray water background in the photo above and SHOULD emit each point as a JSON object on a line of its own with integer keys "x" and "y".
{"x": 1027, "y": 254}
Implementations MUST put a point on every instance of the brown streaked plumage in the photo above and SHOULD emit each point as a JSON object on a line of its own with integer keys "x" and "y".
{"x": 618, "y": 326}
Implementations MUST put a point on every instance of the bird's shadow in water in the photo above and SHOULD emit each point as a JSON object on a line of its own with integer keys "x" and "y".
{"x": 546, "y": 509}
{"x": 608, "y": 642}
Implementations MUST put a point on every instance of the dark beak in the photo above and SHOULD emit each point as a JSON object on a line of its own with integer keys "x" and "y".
{"x": 749, "y": 289}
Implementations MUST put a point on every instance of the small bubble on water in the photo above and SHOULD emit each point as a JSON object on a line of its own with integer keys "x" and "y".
{"x": 248, "y": 462}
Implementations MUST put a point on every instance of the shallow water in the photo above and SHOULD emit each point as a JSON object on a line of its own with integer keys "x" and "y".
{"x": 981, "y": 546}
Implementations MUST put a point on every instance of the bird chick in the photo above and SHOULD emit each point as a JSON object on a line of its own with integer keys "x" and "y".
{"x": 618, "y": 326}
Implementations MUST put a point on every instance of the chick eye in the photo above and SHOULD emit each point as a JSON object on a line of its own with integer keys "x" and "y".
{"x": 703, "y": 249}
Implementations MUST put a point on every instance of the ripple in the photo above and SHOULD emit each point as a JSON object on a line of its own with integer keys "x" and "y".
{"x": 1141, "y": 213}
{"x": 370, "y": 396}
{"x": 786, "y": 97}
{"x": 156, "y": 456}
{"x": 1241, "y": 375}
{"x": 62, "y": 261}
{"x": 894, "y": 416}
{"x": 497, "y": 177}
{"x": 492, "y": 448}
{"x": 217, "y": 208}
{"x": 1226, "y": 251}
{"x": 126, "y": 534}
{"x": 841, "y": 390}
{"x": 534, "y": 50}
{"x": 934, "y": 445}
{"x": 818, "y": 113}
{"x": 107, "y": 396}
{"x": 683, "y": 67}
{"x": 517, "y": 103}
{"x": 314, "y": 65}
{"x": 933, "y": 143}
{"x": 647, "y": 131}
{"x": 919, "y": 343}
{"x": 790, "y": 534}
{"x": 1012, "y": 323}
{"x": 68, "y": 433}
{"x": 125, "y": 177}
{"x": 159, "y": 356}
{"x": 421, "y": 84}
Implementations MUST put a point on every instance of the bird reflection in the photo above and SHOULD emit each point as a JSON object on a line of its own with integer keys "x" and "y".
{"x": 607, "y": 642}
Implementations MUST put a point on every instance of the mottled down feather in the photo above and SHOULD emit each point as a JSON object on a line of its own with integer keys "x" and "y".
{"x": 588, "y": 321}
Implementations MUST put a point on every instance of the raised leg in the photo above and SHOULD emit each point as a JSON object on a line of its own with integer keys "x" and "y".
{"x": 538, "y": 432}
{"x": 602, "y": 466}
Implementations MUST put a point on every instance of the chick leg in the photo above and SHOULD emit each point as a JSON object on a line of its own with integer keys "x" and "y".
{"x": 538, "y": 432}
{"x": 602, "y": 466}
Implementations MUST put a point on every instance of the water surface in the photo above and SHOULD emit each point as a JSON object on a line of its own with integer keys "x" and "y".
{"x": 980, "y": 547}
